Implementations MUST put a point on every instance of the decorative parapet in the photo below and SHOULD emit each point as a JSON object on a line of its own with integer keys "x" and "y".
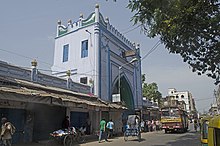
{"x": 11, "y": 71}
{"x": 81, "y": 23}
{"x": 120, "y": 36}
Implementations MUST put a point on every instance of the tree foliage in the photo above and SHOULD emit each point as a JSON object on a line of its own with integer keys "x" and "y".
{"x": 150, "y": 91}
{"x": 143, "y": 78}
{"x": 190, "y": 28}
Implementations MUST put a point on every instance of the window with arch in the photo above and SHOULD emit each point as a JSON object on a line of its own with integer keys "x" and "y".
{"x": 182, "y": 96}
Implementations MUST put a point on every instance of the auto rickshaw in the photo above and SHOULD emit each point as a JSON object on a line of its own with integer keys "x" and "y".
{"x": 204, "y": 130}
{"x": 133, "y": 127}
{"x": 214, "y": 131}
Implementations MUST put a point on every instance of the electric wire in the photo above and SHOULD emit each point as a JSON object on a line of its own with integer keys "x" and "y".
{"x": 152, "y": 49}
{"x": 131, "y": 29}
{"x": 10, "y": 52}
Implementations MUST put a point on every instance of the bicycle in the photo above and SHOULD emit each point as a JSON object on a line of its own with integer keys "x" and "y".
{"x": 67, "y": 137}
{"x": 78, "y": 136}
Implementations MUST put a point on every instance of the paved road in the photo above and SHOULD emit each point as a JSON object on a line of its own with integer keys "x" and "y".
{"x": 159, "y": 138}
{"x": 154, "y": 139}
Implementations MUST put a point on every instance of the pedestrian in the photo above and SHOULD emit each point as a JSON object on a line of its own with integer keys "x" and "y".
{"x": 153, "y": 125}
{"x": 195, "y": 124}
{"x": 88, "y": 126}
{"x": 109, "y": 127}
{"x": 147, "y": 128}
{"x": 7, "y": 130}
{"x": 157, "y": 125}
{"x": 142, "y": 125}
{"x": 102, "y": 133}
{"x": 66, "y": 123}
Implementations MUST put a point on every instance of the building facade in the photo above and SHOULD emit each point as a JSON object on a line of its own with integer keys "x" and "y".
{"x": 98, "y": 55}
{"x": 37, "y": 103}
{"x": 185, "y": 96}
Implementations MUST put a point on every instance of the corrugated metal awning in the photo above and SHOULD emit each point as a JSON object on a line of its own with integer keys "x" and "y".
{"x": 20, "y": 90}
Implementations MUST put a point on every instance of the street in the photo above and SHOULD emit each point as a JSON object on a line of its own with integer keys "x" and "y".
{"x": 158, "y": 138}
{"x": 155, "y": 139}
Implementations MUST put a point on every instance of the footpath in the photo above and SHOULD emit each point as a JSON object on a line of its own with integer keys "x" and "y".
{"x": 88, "y": 139}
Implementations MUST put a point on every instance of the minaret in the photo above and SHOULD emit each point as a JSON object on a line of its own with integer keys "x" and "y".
{"x": 97, "y": 54}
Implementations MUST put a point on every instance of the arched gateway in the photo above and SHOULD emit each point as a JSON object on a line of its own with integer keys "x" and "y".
{"x": 125, "y": 91}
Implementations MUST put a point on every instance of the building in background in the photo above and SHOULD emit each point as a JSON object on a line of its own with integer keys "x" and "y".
{"x": 185, "y": 96}
{"x": 98, "y": 55}
{"x": 213, "y": 109}
{"x": 151, "y": 110}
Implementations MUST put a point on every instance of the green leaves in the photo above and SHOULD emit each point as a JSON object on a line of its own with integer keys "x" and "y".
{"x": 150, "y": 91}
{"x": 190, "y": 28}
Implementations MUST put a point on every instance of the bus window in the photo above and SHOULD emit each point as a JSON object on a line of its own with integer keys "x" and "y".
{"x": 174, "y": 113}
{"x": 165, "y": 113}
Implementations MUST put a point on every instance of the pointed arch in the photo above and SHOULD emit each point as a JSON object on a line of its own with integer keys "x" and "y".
{"x": 125, "y": 90}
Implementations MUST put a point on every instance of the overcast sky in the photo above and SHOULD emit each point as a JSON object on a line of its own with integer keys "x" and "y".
{"x": 28, "y": 29}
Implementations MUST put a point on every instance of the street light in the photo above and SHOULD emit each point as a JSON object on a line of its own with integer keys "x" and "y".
{"x": 119, "y": 75}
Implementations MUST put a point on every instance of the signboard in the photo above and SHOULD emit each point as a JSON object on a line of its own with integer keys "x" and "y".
{"x": 116, "y": 98}
{"x": 129, "y": 53}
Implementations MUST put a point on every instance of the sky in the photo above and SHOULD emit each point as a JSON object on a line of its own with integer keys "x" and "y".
{"x": 28, "y": 29}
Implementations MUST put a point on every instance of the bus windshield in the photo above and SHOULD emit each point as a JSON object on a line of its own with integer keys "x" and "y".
{"x": 170, "y": 112}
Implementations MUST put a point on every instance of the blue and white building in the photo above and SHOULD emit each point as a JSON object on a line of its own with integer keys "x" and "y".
{"x": 97, "y": 54}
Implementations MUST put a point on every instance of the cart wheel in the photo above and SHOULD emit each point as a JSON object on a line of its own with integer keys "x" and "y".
{"x": 68, "y": 140}
{"x": 80, "y": 138}
{"x": 125, "y": 136}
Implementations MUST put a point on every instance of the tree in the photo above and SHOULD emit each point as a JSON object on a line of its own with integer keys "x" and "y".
{"x": 190, "y": 28}
{"x": 150, "y": 91}
{"x": 143, "y": 78}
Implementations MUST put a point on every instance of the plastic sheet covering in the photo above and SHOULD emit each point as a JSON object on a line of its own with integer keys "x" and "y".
{"x": 133, "y": 119}
{"x": 63, "y": 132}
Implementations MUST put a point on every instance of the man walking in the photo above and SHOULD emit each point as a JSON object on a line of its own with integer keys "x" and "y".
{"x": 102, "y": 133}
{"x": 109, "y": 126}
{"x": 7, "y": 130}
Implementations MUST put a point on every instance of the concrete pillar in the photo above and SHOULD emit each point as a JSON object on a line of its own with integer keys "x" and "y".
{"x": 97, "y": 81}
{"x": 34, "y": 70}
{"x": 69, "y": 80}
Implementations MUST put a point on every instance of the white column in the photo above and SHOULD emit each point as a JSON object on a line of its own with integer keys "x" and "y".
{"x": 97, "y": 52}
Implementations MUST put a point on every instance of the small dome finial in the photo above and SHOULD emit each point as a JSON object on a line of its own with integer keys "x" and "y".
{"x": 97, "y": 6}
{"x": 81, "y": 15}
{"x": 59, "y": 22}
{"x": 107, "y": 19}
{"x": 68, "y": 73}
{"x": 34, "y": 63}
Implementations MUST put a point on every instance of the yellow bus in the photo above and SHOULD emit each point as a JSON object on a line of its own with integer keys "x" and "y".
{"x": 174, "y": 118}
{"x": 214, "y": 131}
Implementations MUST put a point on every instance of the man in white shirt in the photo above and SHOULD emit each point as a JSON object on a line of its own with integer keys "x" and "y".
{"x": 109, "y": 126}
